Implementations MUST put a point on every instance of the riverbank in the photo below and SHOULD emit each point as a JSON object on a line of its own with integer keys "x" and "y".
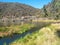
{"x": 7, "y": 31}
{"x": 48, "y": 35}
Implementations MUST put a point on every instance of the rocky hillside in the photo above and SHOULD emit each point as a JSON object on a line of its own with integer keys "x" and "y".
{"x": 16, "y": 9}
{"x": 52, "y": 10}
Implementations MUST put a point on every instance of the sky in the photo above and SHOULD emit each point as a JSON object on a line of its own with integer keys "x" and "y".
{"x": 34, "y": 3}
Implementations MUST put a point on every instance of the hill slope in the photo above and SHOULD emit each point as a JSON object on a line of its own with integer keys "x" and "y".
{"x": 52, "y": 10}
{"x": 16, "y": 9}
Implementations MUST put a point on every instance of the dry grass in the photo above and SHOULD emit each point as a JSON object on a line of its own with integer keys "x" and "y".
{"x": 6, "y": 31}
{"x": 46, "y": 20}
{"x": 45, "y": 36}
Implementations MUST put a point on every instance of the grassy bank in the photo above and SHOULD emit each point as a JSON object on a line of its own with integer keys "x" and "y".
{"x": 46, "y": 21}
{"x": 45, "y": 36}
{"x": 6, "y": 31}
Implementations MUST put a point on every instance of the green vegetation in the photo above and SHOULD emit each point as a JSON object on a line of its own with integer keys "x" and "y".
{"x": 4, "y": 31}
{"x": 4, "y": 44}
{"x": 45, "y": 36}
{"x": 45, "y": 11}
{"x": 25, "y": 27}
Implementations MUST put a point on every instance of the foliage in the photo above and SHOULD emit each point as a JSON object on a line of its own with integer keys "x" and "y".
{"x": 45, "y": 11}
{"x": 15, "y": 29}
{"x": 4, "y": 44}
{"x": 25, "y": 27}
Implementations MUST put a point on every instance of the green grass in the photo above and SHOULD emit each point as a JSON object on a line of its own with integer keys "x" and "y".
{"x": 45, "y": 36}
{"x": 15, "y": 29}
{"x": 3, "y": 29}
{"x": 5, "y": 43}
{"x": 25, "y": 27}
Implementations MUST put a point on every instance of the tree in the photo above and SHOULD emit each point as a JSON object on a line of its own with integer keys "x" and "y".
{"x": 0, "y": 10}
{"x": 57, "y": 17}
{"x": 45, "y": 11}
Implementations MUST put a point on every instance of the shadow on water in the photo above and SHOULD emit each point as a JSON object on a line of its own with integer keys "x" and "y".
{"x": 8, "y": 40}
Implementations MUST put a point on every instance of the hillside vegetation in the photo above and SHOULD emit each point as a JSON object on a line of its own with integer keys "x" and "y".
{"x": 51, "y": 10}
{"x": 16, "y": 9}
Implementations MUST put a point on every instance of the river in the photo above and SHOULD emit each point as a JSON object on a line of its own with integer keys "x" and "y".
{"x": 8, "y": 40}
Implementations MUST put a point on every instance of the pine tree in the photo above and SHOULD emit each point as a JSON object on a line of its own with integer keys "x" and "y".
{"x": 45, "y": 11}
